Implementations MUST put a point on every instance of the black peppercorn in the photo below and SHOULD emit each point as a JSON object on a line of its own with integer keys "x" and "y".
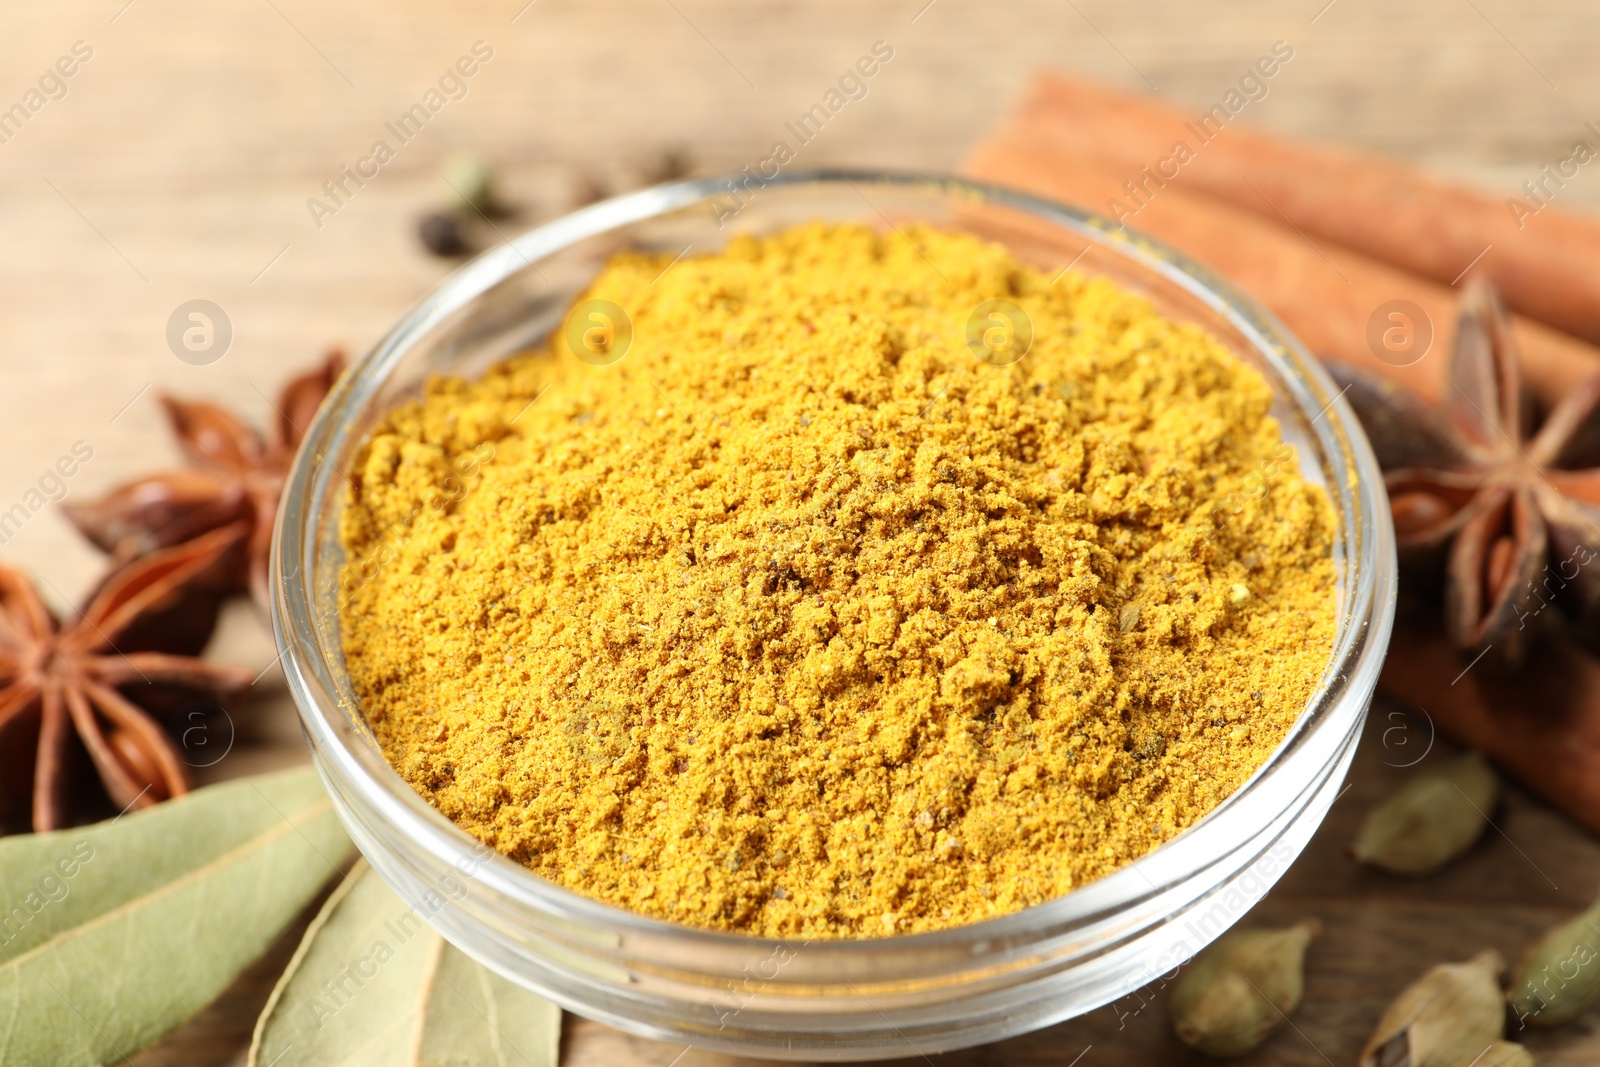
{"x": 440, "y": 233}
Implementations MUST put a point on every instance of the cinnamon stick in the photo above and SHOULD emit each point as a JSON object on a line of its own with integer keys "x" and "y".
{"x": 1325, "y": 294}
{"x": 1546, "y": 261}
{"x": 1542, "y": 725}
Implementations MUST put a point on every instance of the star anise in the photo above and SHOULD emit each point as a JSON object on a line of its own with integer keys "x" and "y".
{"x": 1508, "y": 517}
{"x": 96, "y": 684}
{"x": 236, "y": 475}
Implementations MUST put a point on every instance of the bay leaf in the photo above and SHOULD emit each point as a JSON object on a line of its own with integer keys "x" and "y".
{"x": 373, "y": 985}
{"x": 113, "y": 934}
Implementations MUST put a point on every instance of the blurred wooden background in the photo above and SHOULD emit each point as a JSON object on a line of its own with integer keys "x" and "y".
{"x": 179, "y": 162}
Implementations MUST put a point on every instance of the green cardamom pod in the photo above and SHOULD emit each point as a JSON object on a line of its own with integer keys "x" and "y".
{"x": 1559, "y": 979}
{"x": 1501, "y": 1054}
{"x": 1446, "y": 1018}
{"x": 1241, "y": 988}
{"x": 1432, "y": 820}
{"x": 468, "y": 181}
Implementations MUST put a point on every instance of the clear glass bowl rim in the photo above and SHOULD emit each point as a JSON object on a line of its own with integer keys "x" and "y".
{"x": 1363, "y": 634}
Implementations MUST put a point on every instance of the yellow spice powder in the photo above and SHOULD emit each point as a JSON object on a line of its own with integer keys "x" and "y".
{"x": 801, "y": 620}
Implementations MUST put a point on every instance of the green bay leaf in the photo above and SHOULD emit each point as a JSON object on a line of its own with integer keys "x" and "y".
{"x": 373, "y": 985}
{"x": 113, "y": 934}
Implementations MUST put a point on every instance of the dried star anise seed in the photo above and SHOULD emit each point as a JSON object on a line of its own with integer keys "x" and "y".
{"x": 1507, "y": 518}
{"x": 236, "y": 476}
{"x": 87, "y": 687}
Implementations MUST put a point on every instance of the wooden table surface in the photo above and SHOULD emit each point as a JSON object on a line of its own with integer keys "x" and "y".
{"x": 180, "y": 160}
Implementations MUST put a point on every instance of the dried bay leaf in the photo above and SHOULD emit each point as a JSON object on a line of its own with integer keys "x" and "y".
{"x": 372, "y": 984}
{"x": 111, "y": 935}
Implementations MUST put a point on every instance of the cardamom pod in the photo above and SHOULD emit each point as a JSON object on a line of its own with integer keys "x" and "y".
{"x": 469, "y": 183}
{"x": 1241, "y": 988}
{"x": 1432, "y": 820}
{"x": 1444, "y": 1019}
{"x": 1502, "y": 1054}
{"x": 1559, "y": 979}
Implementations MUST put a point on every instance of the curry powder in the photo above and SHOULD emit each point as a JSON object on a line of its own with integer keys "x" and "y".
{"x": 801, "y": 620}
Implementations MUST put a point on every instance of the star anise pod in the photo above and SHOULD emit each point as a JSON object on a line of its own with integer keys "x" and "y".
{"x": 235, "y": 475}
{"x": 96, "y": 684}
{"x": 1505, "y": 515}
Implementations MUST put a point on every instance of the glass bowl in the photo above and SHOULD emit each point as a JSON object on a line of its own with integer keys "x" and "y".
{"x": 831, "y": 1000}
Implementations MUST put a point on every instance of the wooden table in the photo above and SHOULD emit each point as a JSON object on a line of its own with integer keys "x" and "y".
{"x": 179, "y": 163}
